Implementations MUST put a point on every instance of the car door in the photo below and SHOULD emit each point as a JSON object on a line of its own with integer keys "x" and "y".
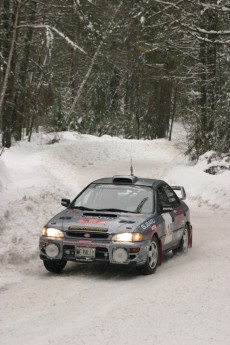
{"x": 170, "y": 209}
{"x": 177, "y": 214}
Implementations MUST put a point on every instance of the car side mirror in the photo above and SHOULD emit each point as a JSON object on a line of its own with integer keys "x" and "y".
{"x": 65, "y": 202}
{"x": 166, "y": 208}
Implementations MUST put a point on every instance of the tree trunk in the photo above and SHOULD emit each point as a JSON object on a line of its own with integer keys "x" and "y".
{"x": 173, "y": 112}
{"x": 6, "y": 117}
{"x": 22, "y": 82}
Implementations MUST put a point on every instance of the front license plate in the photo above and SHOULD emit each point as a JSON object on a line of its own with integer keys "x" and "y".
{"x": 85, "y": 252}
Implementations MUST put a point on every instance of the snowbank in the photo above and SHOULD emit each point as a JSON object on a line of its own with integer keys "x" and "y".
{"x": 4, "y": 175}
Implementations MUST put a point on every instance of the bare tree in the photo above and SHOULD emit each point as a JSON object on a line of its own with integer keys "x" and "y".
{"x": 6, "y": 121}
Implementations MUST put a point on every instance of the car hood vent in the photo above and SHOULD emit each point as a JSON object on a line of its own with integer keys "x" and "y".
{"x": 124, "y": 179}
{"x": 124, "y": 221}
{"x": 100, "y": 215}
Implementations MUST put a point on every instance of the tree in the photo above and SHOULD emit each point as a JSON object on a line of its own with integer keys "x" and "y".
{"x": 10, "y": 25}
{"x": 117, "y": 67}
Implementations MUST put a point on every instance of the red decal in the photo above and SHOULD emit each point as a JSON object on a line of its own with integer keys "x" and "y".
{"x": 92, "y": 220}
{"x": 153, "y": 227}
{"x": 180, "y": 216}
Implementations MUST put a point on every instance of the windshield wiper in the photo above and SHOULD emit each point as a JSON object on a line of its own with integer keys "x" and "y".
{"x": 115, "y": 210}
{"x": 139, "y": 207}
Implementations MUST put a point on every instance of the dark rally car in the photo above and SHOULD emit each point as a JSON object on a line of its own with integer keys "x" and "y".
{"x": 120, "y": 220}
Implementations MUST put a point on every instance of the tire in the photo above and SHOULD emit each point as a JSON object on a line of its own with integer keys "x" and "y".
{"x": 152, "y": 260}
{"x": 183, "y": 246}
{"x": 54, "y": 266}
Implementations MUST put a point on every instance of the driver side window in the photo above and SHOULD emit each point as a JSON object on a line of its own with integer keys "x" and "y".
{"x": 172, "y": 197}
{"x": 162, "y": 198}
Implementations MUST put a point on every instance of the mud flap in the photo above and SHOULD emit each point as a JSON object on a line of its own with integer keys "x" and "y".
{"x": 160, "y": 253}
{"x": 190, "y": 237}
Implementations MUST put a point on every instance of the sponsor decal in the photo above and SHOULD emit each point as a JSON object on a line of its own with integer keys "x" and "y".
{"x": 102, "y": 217}
{"x": 87, "y": 235}
{"x": 148, "y": 223}
{"x": 75, "y": 211}
{"x": 168, "y": 227}
{"x": 86, "y": 228}
{"x": 92, "y": 220}
{"x": 169, "y": 209}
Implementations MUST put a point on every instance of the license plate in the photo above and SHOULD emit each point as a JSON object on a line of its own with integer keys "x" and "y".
{"x": 85, "y": 252}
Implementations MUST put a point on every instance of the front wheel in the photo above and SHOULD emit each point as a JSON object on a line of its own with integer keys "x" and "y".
{"x": 54, "y": 266}
{"x": 151, "y": 263}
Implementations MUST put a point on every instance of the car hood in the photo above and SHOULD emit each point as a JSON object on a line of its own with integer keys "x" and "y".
{"x": 110, "y": 222}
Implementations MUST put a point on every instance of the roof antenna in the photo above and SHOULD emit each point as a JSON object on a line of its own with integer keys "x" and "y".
{"x": 131, "y": 167}
{"x": 131, "y": 161}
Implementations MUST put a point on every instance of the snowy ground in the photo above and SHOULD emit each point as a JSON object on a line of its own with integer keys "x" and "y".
{"x": 185, "y": 303}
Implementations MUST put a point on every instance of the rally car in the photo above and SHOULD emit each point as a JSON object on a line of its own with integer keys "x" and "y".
{"x": 122, "y": 220}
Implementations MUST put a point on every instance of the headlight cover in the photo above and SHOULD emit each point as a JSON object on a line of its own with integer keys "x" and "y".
{"x": 52, "y": 232}
{"x": 128, "y": 237}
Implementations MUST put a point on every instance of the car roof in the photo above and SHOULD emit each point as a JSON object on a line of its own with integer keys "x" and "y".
{"x": 130, "y": 180}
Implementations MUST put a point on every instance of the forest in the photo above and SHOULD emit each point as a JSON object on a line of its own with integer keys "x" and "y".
{"x": 124, "y": 68}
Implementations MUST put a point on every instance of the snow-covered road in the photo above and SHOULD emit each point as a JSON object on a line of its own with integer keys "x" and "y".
{"x": 187, "y": 300}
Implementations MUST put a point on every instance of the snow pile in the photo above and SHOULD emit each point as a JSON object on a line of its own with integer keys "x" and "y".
{"x": 20, "y": 226}
{"x": 4, "y": 175}
{"x": 203, "y": 188}
{"x": 215, "y": 163}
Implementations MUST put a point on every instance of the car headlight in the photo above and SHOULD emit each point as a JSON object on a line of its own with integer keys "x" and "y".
{"x": 51, "y": 232}
{"x": 128, "y": 237}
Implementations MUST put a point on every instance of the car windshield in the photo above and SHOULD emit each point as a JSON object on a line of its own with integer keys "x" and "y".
{"x": 110, "y": 197}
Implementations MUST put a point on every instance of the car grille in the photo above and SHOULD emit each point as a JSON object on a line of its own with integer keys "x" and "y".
{"x": 85, "y": 234}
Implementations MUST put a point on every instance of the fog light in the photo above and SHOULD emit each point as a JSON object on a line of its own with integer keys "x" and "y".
{"x": 120, "y": 255}
{"x": 134, "y": 250}
{"x": 52, "y": 250}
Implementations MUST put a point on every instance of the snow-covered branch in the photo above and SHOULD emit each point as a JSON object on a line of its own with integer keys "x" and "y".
{"x": 198, "y": 32}
{"x": 207, "y": 40}
{"x": 220, "y": 7}
{"x": 4, "y": 61}
{"x": 167, "y": 3}
{"x": 209, "y": 32}
{"x": 48, "y": 28}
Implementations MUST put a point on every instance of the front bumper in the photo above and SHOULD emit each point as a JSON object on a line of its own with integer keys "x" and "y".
{"x": 137, "y": 252}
